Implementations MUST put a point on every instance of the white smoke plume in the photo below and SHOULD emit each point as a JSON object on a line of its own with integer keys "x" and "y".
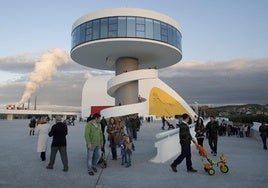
{"x": 43, "y": 71}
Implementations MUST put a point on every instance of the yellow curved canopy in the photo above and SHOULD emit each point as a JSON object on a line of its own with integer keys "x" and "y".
{"x": 163, "y": 104}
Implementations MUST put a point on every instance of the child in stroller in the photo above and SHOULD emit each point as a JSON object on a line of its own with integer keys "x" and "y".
{"x": 170, "y": 126}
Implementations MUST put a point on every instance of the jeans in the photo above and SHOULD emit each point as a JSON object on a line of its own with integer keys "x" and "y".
{"x": 185, "y": 153}
{"x": 128, "y": 157}
{"x": 124, "y": 158}
{"x": 213, "y": 141}
{"x": 200, "y": 141}
{"x": 135, "y": 133}
{"x": 113, "y": 149}
{"x": 130, "y": 131}
{"x": 93, "y": 157}
{"x": 263, "y": 137}
{"x": 63, "y": 155}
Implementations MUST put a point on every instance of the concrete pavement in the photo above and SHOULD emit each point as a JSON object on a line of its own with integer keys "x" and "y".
{"x": 21, "y": 166}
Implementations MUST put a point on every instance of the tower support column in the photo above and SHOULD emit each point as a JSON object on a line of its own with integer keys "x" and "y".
{"x": 128, "y": 93}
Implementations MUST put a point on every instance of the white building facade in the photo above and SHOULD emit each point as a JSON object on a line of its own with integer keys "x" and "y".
{"x": 134, "y": 43}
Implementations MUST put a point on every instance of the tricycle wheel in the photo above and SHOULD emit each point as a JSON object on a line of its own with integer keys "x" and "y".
{"x": 211, "y": 172}
{"x": 224, "y": 168}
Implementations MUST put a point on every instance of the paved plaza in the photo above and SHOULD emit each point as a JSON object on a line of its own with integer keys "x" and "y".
{"x": 21, "y": 166}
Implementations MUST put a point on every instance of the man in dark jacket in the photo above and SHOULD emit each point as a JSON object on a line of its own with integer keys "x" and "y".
{"x": 103, "y": 123}
{"x": 59, "y": 132}
{"x": 263, "y": 133}
{"x": 212, "y": 133}
{"x": 185, "y": 141}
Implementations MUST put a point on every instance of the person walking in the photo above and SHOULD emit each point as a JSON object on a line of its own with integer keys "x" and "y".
{"x": 248, "y": 131}
{"x": 163, "y": 122}
{"x": 94, "y": 141}
{"x": 200, "y": 130}
{"x": 73, "y": 119}
{"x": 32, "y": 125}
{"x": 212, "y": 133}
{"x": 42, "y": 131}
{"x": 263, "y": 133}
{"x": 185, "y": 141}
{"x": 58, "y": 132}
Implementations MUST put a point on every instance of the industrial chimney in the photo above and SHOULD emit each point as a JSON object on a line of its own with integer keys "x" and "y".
{"x": 28, "y": 108}
{"x": 35, "y": 102}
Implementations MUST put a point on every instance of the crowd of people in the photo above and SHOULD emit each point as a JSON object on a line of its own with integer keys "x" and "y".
{"x": 121, "y": 132}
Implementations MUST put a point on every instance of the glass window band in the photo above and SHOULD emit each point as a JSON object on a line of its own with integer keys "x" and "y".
{"x": 126, "y": 27}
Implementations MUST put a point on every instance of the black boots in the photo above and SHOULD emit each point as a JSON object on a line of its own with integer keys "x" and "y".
{"x": 31, "y": 132}
{"x": 43, "y": 155}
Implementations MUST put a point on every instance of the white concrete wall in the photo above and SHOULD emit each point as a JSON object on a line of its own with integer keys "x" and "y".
{"x": 169, "y": 144}
{"x": 95, "y": 94}
{"x": 254, "y": 131}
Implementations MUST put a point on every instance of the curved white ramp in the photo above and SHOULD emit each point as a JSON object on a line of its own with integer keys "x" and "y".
{"x": 118, "y": 81}
{"x": 169, "y": 146}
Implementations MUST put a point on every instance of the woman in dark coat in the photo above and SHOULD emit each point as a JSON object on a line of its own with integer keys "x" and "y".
{"x": 113, "y": 130}
{"x": 200, "y": 130}
{"x": 32, "y": 125}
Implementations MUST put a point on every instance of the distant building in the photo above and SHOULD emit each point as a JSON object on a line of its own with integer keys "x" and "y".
{"x": 10, "y": 107}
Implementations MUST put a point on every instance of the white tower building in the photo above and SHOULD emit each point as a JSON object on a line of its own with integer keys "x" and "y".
{"x": 134, "y": 43}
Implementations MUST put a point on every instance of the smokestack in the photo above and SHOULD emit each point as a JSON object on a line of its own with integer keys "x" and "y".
{"x": 29, "y": 104}
{"x": 44, "y": 70}
{"x": 35, "y": 102}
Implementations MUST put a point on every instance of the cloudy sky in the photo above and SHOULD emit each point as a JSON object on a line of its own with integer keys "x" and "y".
{"x": 225, "y": 45}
